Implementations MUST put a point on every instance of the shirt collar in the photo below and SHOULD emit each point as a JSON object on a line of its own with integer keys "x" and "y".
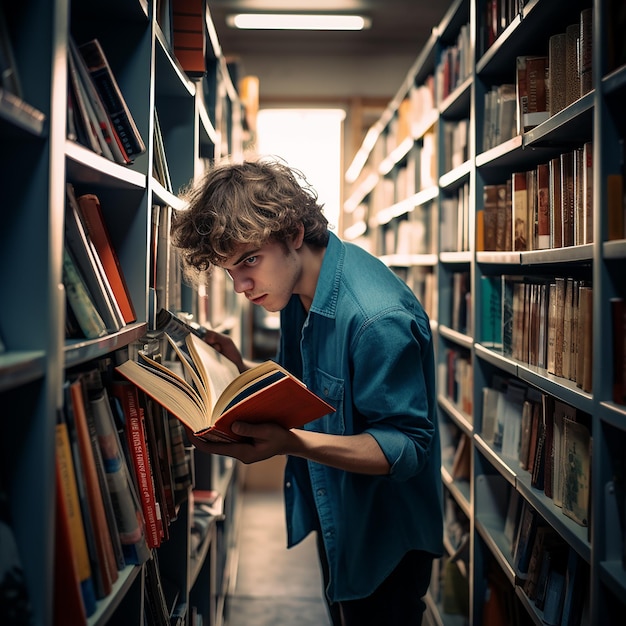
{"x": 327, "y": 290}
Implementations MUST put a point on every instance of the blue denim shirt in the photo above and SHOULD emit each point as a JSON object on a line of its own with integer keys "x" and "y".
{"x": 366, "y": 347}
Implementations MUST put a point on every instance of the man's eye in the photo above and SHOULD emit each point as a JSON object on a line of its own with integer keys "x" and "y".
{"x": 251, "y": 260}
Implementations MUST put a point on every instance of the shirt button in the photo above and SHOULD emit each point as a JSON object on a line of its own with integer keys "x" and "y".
{"x": 326, "y": 391}
{"x": 321, "y": 492}
{"x": 288, "y": 485}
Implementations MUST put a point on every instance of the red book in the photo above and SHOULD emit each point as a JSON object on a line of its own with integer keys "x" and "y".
{"x": 91, "y": 212}
{"x": 134, "y": 428}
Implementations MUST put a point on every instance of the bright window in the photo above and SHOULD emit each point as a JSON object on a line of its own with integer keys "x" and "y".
{"x": 309, "y": 140}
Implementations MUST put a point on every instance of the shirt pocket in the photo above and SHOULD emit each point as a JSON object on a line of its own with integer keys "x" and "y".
{"x": 331, "y": 389}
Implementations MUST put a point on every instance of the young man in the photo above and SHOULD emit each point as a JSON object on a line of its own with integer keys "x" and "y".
{"x": 367, "y": 477}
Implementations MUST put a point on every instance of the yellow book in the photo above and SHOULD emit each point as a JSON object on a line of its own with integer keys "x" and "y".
{"x": 70, "y": 494}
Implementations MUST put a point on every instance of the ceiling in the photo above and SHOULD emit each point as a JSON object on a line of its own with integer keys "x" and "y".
{"x": 398, "y": 27}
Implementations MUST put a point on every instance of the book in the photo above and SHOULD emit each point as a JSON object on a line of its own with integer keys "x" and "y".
{"x": 134, "y": 429}
{"x": 490, "y": 215}
{"x": 567, "y": 198}
{"x": 95, "y": 498}
{"x": 557, "y": 65}
{"x": 491, "y": 312}
{"x": 525, "y": 536}
{"x": 556, "y": 234}
{"x": 544, "y": 536}
{"x": 128, "y": 514}
{"x": 89, "y": 264}
{"x": 561, "y": 412}
{"x": 96, "y": 228}
{"x": 79, "y": 300}
{"x": 521, "y": 218}
{"x": 559, "y": 338}
{"x": 576, "y": 468}
{"x": 585, "y": 342}
{"x": 572, "y": 75}
{"x": 531, "y": 92}
{"x": 69, "y": 608}
{"x": 503, "y": 218}
{"x": 112, "y": 98}
{"x": 189, "y": 36}
{"x": 215, "y": 394}
{"x": 513, "y": 409}
{"x": 86, "y": 125}
{"x": 543, "y": 206}
{"x": 489, "y": 413}
{"x": 461, "y": 464}
{"x": 576, "y": 589}
{"x": 555, "y": 594}
{"x": 69, "y": 491}
{"x": 588, "y": 192}
{"x": 109, "y": 141}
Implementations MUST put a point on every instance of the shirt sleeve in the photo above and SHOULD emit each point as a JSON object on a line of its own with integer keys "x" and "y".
{"x": 392, "y": 358}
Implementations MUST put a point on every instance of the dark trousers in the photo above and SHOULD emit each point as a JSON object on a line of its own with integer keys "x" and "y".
{"x": 396, "y": 602}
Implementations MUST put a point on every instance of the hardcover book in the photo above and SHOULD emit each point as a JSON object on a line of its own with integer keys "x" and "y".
{"x": 112, "y": 98}
{"x": 211, "y": 395}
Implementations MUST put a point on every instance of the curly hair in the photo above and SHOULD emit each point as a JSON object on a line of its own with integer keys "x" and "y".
{"x": 253, "y": 202}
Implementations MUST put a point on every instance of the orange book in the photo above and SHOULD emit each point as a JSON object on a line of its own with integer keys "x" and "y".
{"x": 106, "y": 557}
{"x": 91, "y": 212}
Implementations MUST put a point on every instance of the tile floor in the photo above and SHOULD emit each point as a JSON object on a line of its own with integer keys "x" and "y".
{"x": 274, "y": 586}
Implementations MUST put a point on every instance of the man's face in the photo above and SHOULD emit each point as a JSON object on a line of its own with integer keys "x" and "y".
{"x": 268, "y": 276}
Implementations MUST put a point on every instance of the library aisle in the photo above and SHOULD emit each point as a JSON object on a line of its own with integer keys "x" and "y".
{"x": 274, "y": 586}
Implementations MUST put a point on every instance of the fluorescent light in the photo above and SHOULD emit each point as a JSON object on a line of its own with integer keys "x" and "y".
{"x": 297, "y": 21}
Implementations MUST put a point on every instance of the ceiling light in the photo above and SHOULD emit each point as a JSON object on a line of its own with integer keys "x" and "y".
{"x": 297, "y": 21}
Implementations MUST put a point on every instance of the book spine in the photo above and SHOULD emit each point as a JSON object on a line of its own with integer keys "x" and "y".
{"x": 128, "y": 396}
{"x": 105, "y": 555}
{"x": 72, "y": 503}
{"x": 91, "y": 212}
{"x": 112, "y": 98}
{"x": 90, "y": 321}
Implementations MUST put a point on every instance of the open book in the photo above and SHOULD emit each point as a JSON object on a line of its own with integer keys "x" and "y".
{"x": 212, "y": 394}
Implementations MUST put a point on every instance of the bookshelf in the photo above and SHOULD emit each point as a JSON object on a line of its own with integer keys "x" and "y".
{"x": 474, "y": 316}
{"x": 38, "y": 158}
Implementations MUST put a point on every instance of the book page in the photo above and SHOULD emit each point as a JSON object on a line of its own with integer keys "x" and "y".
{"x": 215, "y": 369}
{"x": 190, "y": 370}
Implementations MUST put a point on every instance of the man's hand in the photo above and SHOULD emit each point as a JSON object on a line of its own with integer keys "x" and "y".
{"x": 226, "y": 346}
{"x": 263, "y": 441}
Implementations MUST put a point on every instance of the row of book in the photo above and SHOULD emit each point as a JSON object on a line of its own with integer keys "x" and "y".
{"x": 543, "y": 322}
{"x": 455, "y": 377}
{"x": 122, "y": 473}
{"x": 454, "y": 221}
{"x": 98, "y": 297}
{"x": 98, "y": 116}
{"x": 547, "y": 207}
{"x": 547, "y": 437}
{"x": 496, "y": 16}
{"x": 455, "y": 143}
{"x": 454, "y": 66}
{"x": 544, "y": 85}
{"x": 552, "y": 575}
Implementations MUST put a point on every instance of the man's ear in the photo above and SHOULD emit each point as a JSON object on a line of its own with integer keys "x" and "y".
{"x": 299, "y": 238}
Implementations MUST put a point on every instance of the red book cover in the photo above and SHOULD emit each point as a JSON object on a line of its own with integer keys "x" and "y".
{"x": 138, "y": 448}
